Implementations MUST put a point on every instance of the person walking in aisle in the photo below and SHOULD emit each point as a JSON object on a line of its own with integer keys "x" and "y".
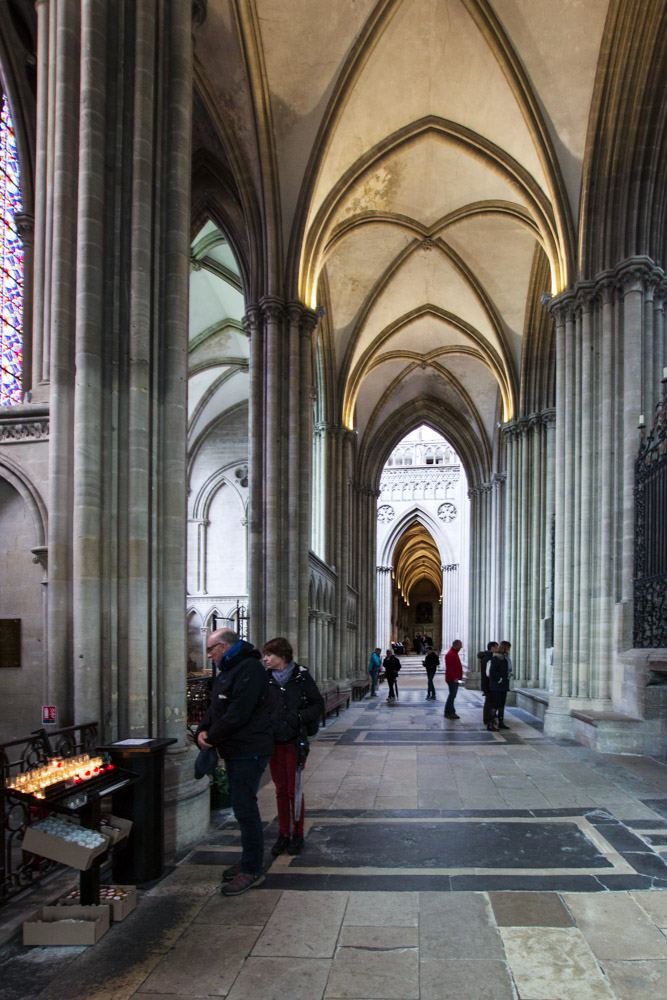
{"x": 374, "y": 665}
{"x": 484, "y": 659}
{"x": 296, "y": 705}
{"x": 392, "y": 665}
{"x": 238, "y": 723}
{"x": 453, "y": 677}
{"x": 431, "y": 662}
{"x": 499, "y": 681}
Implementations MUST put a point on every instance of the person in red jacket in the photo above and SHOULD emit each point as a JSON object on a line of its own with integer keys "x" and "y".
{"x": 453, "y": 677}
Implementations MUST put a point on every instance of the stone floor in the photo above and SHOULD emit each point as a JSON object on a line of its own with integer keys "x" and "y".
{"x": 442, "y": 861}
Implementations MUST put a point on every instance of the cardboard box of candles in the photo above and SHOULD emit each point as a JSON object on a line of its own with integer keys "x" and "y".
{"x": 121, "y": 899}
{"x": 66, "y": 925}
{"x": 61, "y": 840}
{"x": 115, "y": 828}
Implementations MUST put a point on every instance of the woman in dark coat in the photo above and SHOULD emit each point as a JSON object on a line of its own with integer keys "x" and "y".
{"x": 296, "y": 705}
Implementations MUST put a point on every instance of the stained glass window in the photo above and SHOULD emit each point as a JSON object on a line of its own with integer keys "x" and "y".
{"x": 11, "y": 265}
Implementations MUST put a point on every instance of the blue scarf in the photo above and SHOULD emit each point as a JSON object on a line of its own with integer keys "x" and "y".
{"x": 282, "y": 676}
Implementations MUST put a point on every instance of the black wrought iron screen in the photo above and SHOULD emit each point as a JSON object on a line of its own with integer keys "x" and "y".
{"x": 650, "y": 586}
{"x": 19, "y": 870}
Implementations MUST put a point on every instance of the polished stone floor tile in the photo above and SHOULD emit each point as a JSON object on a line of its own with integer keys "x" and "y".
{"x": 374, "y": 971}
{"x": 554, "y": 963}
{"x": 197, "y": 969}
{"x": 464, "y": 920}
{"x": 654, "y": 904}
{"x": 634, "y": 980}
{"x": 616, "y": 927}
{"x": 303, "y": 925}
{"x": 529, "y": 909}
{"x": 382, "y": 909}
{"x": 281, "y": 979}
{"x": 458, "y": 979}
{"x": 253, "y": 908}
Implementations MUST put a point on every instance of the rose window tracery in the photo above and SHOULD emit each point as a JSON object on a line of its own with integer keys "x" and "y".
{"x": 447, "y": 512}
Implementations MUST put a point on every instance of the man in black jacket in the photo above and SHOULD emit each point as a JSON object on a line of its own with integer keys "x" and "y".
{"x": 238, "y": 724}
{"x": 484, "y": 658}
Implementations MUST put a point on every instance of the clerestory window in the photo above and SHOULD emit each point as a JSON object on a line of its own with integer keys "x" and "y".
{"x": 11, "y": 265}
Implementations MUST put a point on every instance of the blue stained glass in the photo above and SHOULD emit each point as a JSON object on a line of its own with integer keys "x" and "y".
{"x": 11, "y": 265}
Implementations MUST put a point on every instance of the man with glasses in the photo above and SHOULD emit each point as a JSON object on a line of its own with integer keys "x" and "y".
{"x": 238, "y": 723}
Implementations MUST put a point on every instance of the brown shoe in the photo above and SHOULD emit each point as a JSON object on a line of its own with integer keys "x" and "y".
{"x": 241, "y": 883}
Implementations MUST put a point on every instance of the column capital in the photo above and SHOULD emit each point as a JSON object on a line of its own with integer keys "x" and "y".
{"x": 272, "y": 308}
{"x": 251, "y": 319}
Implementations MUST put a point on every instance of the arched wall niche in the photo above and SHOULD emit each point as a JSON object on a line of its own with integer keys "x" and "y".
{"x": 23, "y": 597}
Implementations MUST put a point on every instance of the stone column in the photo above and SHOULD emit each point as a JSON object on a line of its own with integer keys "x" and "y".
{"x": 383, "y": 628}
{"x": 451, "y": 605}
{"x": 280, "y": 451}
{"x": 609, "y": 354}
{"x": 117, "y": 96}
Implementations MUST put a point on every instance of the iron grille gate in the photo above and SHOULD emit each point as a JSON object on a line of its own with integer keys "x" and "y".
{"x": 650, "y": 585}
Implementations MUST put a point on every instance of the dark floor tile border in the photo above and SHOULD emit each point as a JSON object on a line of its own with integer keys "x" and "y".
{"x": 656, "y": 840}
{"x": 657, "y": 805}
{"x": 463, "y": 883}
{"x": 218, "y": 858}
{"x": 526, "y": 883}
{"x": 601, "y": 815}
{"x": 360, "y": 883}
{"x": 646, "y": 863}
{"x": 646, "y": 824}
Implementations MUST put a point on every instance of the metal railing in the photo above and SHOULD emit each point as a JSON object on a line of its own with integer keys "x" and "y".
{"x": 650, "y": 582}
{"x": 18, "y": 870}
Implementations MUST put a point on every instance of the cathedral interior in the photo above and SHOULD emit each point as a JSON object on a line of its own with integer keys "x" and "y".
{"x": 346, "y": 322}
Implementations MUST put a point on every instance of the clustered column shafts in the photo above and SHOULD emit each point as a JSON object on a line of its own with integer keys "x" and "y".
{"x": 527, "y": 604}
{"x": 489, "y": 563}
{"x": 55, "y": 322}
{"x": 116, "y": 88}
{"x": 280, "y": 465}
{"x": 384, "y": 598}
{"x": 618, "y": 315}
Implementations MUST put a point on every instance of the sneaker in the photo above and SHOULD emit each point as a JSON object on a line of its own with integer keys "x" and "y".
{"x": 455, "y": 716}
{"x": 231, "y": 872}
{"x": 241, "y": 882}
{"x": 280, "y": 845}
{"x": 501, "y": 725}
{"x": 295, "y": 845}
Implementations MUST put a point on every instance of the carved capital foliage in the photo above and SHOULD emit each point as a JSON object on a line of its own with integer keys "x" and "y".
{"x": 585, "y": 296}
{"x": 562, "y": 308}
{"x": 273, "y": 309}
{"x": 24, "y": 430}
{"x": 251, "y": 320}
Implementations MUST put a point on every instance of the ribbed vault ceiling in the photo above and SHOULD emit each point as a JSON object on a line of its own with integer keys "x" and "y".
{"x": 412, "y": 160}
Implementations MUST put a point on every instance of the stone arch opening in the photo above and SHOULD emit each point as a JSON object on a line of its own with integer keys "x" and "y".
{"x": 422, "y": 541}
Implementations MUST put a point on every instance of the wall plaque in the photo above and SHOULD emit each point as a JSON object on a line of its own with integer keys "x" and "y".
{"x": 10, "y": 642}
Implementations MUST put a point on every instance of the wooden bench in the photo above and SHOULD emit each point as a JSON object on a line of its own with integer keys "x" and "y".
{"x": 334, "y": 700}
{"x": 360, "y": 688}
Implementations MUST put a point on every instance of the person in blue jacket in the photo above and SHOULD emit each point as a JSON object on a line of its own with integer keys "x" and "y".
{"x": 374, "y": 665}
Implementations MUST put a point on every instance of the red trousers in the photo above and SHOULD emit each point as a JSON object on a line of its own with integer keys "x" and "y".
{"x": 283, "y": 772}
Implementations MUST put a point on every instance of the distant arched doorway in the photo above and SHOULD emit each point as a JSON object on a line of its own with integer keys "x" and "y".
{"x": 423, "y": 541}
